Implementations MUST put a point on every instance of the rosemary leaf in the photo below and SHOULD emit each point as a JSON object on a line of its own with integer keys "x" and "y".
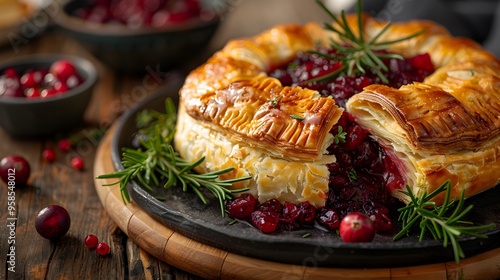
{"x": 156, "y": 162}
{"x": 354, "y": 52}
{"x": 433, "y": 219}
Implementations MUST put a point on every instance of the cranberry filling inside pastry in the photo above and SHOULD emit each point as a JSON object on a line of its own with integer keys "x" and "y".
{"x": 364, "y": 173}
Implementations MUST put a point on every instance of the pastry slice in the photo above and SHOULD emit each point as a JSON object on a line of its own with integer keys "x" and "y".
{"x": 447, "y": 128}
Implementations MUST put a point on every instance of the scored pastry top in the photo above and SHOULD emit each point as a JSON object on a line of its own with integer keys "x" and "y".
{"x": 231, "y": 93}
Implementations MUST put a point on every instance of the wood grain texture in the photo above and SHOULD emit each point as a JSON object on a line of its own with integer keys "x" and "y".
{"x": 212, "y": 263}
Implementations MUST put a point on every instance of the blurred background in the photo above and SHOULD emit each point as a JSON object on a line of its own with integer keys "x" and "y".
{"x": 170, "y": 30}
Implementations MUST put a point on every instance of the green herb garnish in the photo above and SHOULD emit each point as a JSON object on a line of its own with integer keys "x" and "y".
{"x": 353, "y": 175}
{"x": 297, "y": 117}
{"x": 355, "y": 52}
{"x": 275, "y": 102}
{"x": 156, "y": 162}
{"x": 433, "y": 219}
{"x": 340, "y": 136}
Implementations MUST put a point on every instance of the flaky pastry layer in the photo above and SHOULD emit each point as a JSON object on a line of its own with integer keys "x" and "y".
{"x": 273, "y": 177}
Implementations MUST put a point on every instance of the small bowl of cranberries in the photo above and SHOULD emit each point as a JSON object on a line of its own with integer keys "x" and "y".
{"x": 44, "y": 94}
{"x": 132, "y": 35}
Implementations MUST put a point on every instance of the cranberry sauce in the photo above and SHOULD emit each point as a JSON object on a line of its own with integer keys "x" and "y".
{"x": 308, "y": 66}
{"x": 363, "y": 175}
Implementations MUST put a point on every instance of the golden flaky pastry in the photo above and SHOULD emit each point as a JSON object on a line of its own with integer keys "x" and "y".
{"x": 447, "y": 127}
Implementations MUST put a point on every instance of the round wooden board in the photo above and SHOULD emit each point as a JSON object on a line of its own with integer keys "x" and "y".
{"x": 212, "y": 263}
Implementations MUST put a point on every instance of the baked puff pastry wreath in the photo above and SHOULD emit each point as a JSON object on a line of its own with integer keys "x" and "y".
{"x": 446, "y": 127}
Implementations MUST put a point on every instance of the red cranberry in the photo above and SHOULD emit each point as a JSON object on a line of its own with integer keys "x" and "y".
{"x": 365, "y": 155}
{"x": 102, "y": 249}
{"x": 422, "y": 61}
{"x": 15, "y": 169}
{"x": 41, "y": 83}
{"x": 10, "y": 87}
{"x": 11, "y": 73}
{"x": 241, "y": 207}
{"x": 379, "y": 215}
{"x": 49, "y": 155}
{"x": 307, "y": 213}
{"x": 160, "y": 19}
{"x": 290, "y": 212}
{"x": 77, "y": 163}
{"x": 355, "y": 136}
{"x": 328, "y": 218}
{"x": 49, "y": 80}
{"x": 48, "y": 92}
{"x": 91, "y": 241}
{"x": 266, "y": 222}
{"x": 338, "y": 182}
{"x": 60, "y": 87}
{"x": 97, "y": 14}
{"x": 362, "y": 82}
{"x": 28, "y": 80}
{"x": 137, "y": 13}
{"x": 33, "y": 93}
{"x": 344, "y": 159}
{"x": 52, "y": 222}
{"x": 63, "y": 69}
{"x": 272, "y": 205}
{"x": 64, "y": 145}
{"x": 357, "y": 227}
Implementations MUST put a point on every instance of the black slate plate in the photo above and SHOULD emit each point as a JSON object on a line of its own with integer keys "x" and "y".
{"x": 184, "y": 213}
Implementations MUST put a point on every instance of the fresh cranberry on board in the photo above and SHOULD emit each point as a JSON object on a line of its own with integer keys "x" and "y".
{"x": 357, "y": 227}
{"x": 53, "y": 222}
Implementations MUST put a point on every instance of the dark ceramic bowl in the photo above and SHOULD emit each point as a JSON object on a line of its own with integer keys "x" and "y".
{"x": 127, "y": 49}
{"x": 22, "y": 117}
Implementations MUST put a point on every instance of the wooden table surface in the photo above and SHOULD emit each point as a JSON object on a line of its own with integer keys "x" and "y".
{"x": 58, "y": 183}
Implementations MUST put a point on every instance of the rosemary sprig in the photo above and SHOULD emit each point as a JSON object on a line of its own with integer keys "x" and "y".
{"x": 156, "y": 162}
{"x": 433, "y": 219}
{"x": 355, "y": 53}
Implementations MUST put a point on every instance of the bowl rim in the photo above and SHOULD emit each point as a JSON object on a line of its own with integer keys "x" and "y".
{"x": 81, "y": 64}
{"x": 73, "y": 23}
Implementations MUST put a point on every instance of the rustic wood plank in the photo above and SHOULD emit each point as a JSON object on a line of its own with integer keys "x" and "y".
{"x": 149, "y": 233}
{"x": 110, "y": 197}
{"x": 194, "y": 257}
{"x": 432, "y": 271}
{"x": 346, "y": 274}
{"x": 241, "y": 267}
{"x": 485, "y": 266}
